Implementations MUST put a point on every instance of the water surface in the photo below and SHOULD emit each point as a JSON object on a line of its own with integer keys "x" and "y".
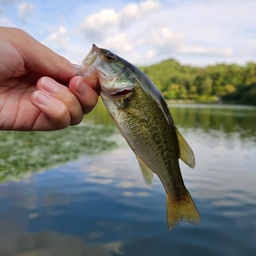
{"x": 98, "y": 203}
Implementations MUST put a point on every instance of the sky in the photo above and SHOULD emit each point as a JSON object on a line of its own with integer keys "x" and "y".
{"x": 194, "y": 32}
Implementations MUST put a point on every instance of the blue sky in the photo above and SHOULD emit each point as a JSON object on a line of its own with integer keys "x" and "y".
{"x": 195, "y": 32}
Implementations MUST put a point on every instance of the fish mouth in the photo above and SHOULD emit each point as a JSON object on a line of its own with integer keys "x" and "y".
{"x": 87, "y": 69}
{"x": 116, "y": 91}
{"x": 123, "y": 92}
{"x": 92, "y": 75}
{"x": 92, "y": 55}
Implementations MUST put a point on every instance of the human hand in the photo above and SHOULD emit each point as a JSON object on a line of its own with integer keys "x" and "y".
{"x": 33, "y": 95}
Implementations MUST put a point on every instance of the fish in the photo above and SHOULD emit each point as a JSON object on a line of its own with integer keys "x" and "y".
{"x": 143, "y": 118}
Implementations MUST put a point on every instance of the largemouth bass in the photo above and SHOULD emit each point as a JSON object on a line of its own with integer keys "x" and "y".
{"x": 143, "y": 118}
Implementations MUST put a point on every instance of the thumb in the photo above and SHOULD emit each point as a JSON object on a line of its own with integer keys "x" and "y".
{"x": 87, "y": 96}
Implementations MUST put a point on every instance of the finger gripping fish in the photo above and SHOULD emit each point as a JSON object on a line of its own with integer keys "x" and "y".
{"x": 143, "y": 118}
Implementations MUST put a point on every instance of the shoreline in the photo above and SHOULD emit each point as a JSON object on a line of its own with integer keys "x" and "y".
{"x": 181, "y": 101}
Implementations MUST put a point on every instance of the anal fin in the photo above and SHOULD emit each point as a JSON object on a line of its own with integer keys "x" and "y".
{"x": 146, "y": 172}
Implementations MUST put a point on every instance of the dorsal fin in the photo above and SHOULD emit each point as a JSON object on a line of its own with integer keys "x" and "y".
{"x": 146, "y": 172}
{"x": 186, "y": 153}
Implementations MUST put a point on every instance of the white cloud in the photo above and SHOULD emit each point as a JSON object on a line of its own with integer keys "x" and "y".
{"x": 119, "y": 43}
{"x": 151, "y": 54}
{"x": 59, "y": 36}
{"x": 98, "y": 24}
{"x": 165, "y": 37}
{"x": 4, "y": 21}
{"x": 133, "y": 12}
{"x": 25, "y": 9}
{"x": 205, "y": 51}
{"x": 100, "y": 20}
{"x": 142, "y": 31}
{"x": 164, "y": 40}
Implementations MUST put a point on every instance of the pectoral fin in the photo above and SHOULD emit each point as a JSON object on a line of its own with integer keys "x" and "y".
{"x": 146, "y": 173}
{"x": 123, "y": 105}
{"x": 136, "y": 113}
{"x": 186, "y": 153}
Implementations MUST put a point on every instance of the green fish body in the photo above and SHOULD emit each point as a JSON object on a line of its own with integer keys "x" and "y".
{"x": 143, "y": 118}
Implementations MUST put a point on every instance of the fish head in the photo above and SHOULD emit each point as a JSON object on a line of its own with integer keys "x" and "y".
{"x": 109, "y": 70}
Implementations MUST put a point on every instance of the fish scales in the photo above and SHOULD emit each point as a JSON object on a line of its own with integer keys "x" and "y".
{"x": 153, "y": 140}
{"x": 144, "y": 120}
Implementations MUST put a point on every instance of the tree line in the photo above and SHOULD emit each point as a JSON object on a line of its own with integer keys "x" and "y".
{"x": 221, "y": 82}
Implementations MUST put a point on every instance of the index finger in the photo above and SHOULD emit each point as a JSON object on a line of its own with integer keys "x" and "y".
{"x": 40, "y": 58}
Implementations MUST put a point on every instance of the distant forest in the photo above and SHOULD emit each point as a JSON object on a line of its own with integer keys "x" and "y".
{"x": 218, "y": 83}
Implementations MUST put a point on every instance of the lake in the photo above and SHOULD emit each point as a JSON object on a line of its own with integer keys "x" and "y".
{"x": 80, "y": 191}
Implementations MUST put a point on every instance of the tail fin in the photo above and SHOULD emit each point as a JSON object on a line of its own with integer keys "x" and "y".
{"x": 183, "y": 209}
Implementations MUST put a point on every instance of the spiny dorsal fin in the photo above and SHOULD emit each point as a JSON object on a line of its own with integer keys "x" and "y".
{"x": 186, "y": 153}
{"x": 146, "y": 173}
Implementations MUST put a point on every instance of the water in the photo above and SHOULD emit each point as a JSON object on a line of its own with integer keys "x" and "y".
{"x": 99, "y": 204}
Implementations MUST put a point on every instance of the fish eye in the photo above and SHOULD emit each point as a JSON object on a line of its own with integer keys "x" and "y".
{"x": 110, "y": 56}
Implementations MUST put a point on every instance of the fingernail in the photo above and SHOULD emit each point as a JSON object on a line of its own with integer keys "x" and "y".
{"x": 41, "y": 98}
{"x": 76, "y": 66}
{"x": 49, "y": 85}
{"x": 81, "y": 87}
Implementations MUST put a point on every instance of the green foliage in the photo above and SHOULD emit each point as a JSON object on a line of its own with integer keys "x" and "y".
{"x": 231, "y": 83}
{"x": 22, "y": 153}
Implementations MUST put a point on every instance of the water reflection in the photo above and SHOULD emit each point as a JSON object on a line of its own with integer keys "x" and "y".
{"x": 100, "y": 204}
{"x": 224, "y": 119}
{"x": 41, "y": 244}
{"x": 119, "y": 167}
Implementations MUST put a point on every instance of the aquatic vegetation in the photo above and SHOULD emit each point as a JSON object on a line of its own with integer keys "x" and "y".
{"x": 22, "y": 153}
